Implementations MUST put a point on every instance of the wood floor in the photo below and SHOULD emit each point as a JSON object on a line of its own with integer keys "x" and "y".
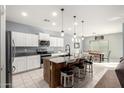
{"x": 109, "y": 80}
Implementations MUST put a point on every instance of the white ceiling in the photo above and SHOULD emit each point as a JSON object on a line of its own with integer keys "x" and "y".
{"x": 100, "y": 19}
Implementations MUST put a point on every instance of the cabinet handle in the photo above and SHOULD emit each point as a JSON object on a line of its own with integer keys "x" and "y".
{"x": 13, "y": 68}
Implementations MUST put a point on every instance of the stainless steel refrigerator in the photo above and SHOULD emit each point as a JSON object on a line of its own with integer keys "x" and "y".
{"x": 10, "y": 54}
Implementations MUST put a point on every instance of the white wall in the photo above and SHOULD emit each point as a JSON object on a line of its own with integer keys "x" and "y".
{"x": 115, "y": 44}
{"x": 2, "y": 47}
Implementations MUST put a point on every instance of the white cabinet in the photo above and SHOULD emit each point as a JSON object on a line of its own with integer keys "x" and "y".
{"x": 26, "y": 63}
{"x": 19, "y": 38}
{"x": 33, "y": 62}
{"x": 24, "y": 39}
{"x": 56, "y": 42}
{"x": 22, "y": 65}
{"x": 15, "y": 65}
{"x": 43, "y": 36}
{"x": 52, "y": 41}
{"x": 31, "y": 40}
{"x": 61, "y": 42}
{"x": 19, "y": 64}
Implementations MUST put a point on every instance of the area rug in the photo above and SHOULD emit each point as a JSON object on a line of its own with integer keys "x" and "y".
{"x": 109, "y": 80}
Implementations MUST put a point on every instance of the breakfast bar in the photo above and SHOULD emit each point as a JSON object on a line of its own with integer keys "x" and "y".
{"x": 52, "y": 69}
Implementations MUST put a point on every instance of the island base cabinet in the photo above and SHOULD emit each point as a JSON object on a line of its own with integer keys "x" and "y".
{"x": 52, "y": 73}
{"x": 56, "y": 74}
{"x": 46, "y": 70}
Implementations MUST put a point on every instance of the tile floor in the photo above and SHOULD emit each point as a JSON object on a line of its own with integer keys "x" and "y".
{"x": 34, "y": 79}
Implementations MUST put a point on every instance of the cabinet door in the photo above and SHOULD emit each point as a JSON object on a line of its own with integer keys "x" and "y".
{"x": 20, "y": 64}
{"x": 33, "y": 62}
{"x": 52, "y": 40}
{"x": 55, "y": 42}
{"x": 28, "y": 40}
{"x": 34, "y": 40}
{"x": 44, "y": 36}
{"x": 15, "y": 65}
{"x": 36, "y": 60}
{"x": 19, "y": 38}
{"x": 61, "y": 42}
{"x": 31, "y": 40}
{"x": 29, "y": 63}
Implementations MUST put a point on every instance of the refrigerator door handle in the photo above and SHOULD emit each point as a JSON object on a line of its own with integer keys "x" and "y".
{"x": 14, "y": 50}
{"x": 13, "y": 68}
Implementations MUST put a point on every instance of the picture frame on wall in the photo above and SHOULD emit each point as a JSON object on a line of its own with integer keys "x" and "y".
{"x": 76, "y": 45}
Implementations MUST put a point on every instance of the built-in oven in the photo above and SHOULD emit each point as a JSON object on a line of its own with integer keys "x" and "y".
{"x": 43, "y": 53}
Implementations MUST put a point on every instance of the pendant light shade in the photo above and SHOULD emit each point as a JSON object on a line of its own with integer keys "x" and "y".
{"x": 82, "y": 37}
{"x": 74, "y": 26}
{"x": 74, "y": 35}
{"x": 62, "y": 31}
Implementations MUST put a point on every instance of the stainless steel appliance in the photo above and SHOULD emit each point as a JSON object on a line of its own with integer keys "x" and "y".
{"x": 43, "y": 53}
{"x": 10, "y": 54}
{"x": 44, "y": 43}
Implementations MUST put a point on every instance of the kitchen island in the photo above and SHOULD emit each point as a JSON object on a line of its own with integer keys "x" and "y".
{"x": 52, "y": 69}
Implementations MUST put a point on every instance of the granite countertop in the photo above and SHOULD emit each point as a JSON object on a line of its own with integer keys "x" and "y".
{"x": 59, "y": 54}
{"x": 58, "y": 60}
{"x": 25, "y": 54}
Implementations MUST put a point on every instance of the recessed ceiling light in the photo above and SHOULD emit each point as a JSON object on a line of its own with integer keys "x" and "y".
{"x": 53, "y": 23}
{"x": 69, "y": 28}
{"x": 24, "y": 14}
{"x": 54, "y": 14}
{"x": 76, "y": 23}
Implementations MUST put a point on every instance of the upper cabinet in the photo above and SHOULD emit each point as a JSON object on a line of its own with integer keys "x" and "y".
{"x": 19, "y": 38}
{"x": 32, "y": 40}
{"x": 24, "y": 39}
{"x": 56, "y": 42}
{"x": 43, "y": 36}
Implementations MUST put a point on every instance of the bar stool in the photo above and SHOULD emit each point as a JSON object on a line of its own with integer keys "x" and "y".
{"x": 67, "y": 77}
{"x": 89, "y": 66}
{"x": 80, "y": 68}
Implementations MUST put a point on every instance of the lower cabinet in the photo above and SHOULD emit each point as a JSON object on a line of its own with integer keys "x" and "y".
{"x": 21, "y": 64}
{"x": 33, "y": 62}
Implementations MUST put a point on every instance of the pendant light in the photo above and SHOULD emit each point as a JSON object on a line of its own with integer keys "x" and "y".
{"x": 62, "y": 31}
{"x": 82, "y": 37}
{"x": 74, "y": 26}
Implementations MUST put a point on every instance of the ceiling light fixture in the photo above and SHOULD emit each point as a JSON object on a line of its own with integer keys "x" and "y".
{"x": 75, "y": 38}
{"x": 75, "y": 23}
{"x": 82, "y": 37}
{"x": 54, "y": 14}
{"x": 53, "y": 23}
{"x": 62, "y": 31}
{"x": 24, "y": 14}
{"x": 74, "y": 27}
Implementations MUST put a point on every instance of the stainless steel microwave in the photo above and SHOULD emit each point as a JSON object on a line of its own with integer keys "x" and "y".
{"x": 44, "y": 43}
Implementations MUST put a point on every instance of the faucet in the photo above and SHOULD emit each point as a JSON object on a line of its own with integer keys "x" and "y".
{"x": 67, "y": 49}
